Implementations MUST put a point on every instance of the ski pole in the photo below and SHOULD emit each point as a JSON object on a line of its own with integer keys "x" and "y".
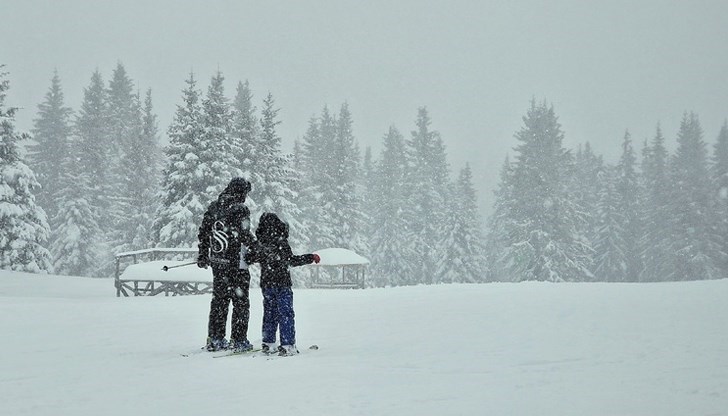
{"x": 165, "y": 268}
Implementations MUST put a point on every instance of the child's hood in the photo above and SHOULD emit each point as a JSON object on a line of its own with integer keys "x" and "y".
{"x": 271, "y": 228}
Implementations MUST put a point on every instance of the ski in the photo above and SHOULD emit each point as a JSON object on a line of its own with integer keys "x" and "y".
{"x": 234, "y": 353}
{"x": 253, "y": 353}
{"x": 195, "y": 352}
{"x": 274, "y": 356}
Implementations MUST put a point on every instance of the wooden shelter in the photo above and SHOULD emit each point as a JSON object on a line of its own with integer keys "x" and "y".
{"x": 339, "y": 269}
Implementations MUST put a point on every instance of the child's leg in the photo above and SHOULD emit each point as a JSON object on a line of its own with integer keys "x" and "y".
{"x": 286, "y": 316}
{"x": 270, "y": 315}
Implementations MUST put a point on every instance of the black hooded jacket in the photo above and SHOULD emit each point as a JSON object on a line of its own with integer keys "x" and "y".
{"x": 226, "y": 226}
{"x": 274, "y": 253}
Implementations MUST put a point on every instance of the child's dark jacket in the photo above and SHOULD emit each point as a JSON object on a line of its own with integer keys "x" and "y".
{"x": 274, "y": 253}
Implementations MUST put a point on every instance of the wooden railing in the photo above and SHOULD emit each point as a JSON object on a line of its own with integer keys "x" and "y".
{"x": 151, "y": 286}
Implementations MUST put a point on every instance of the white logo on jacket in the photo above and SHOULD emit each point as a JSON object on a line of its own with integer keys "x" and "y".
{"x": 220, "y": 240}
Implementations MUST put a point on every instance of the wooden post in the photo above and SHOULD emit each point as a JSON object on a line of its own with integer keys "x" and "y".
{"x": 116, "y": 279}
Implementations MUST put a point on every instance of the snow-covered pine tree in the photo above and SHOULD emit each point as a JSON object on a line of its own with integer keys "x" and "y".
{"x": 76, "y": 248}
{"x": 297, "y": 182}
{"x": 24, "y": 229}
{"x": 628, "y": 190}
{"x": 267, "y": 160}
{"x": 370, "y": 198}
{"x": 140, "y": 180}
{"x": 122, "y": 111}
{"x": 314, "y": 181}
{"x": 346, "y": 216}
{"x": 463, "y": 259}
{"x": 93, "y": 151}
{"x": 91, "y": 128}
{"x": 541, "y": 239}
{"x": 427, "y": 182}
{"x": 244, "y": 136}
{"x": 695, "y": 243}
{"x": 185, "y": 194}
{"x": 51, "y": 132}
{"x": 274, "y": 191}
{"x": 124, "y": 132}
{"x": 609, "y": 247}
{"x": 719, "y": 172}
{"x": 392, "y": 253}
{"x": 150, "y": 130}
{"x": 587, "y": 181}
{"x": 497, "y": 242}
{"x": 656, "y": 237}
{"x": 217, "y": 162}
{"x": 320, "y": 186}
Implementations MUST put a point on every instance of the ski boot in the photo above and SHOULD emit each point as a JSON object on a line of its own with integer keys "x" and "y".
{"x": 241, "y": 346}
{"x": 269, "y": 348}
{"x": 217, "y": 344}
{"x": 286, "y": 350}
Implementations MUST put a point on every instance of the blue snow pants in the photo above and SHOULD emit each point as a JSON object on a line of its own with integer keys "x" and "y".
{"x": 278, "y": 314}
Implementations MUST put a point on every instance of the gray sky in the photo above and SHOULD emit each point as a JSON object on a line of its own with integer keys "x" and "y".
{"x": 606, "y": 66}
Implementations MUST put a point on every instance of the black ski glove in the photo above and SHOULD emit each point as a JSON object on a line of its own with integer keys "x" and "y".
{"x": 202, "y": 261}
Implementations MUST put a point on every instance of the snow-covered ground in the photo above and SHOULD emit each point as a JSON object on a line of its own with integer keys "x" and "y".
{"x": 70, "y": 347}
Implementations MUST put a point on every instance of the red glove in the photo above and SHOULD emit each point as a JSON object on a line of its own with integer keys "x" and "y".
{"x": 316, "y": 258}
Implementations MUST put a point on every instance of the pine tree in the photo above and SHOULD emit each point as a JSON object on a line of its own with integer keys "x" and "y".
{"x": 124, "y": 132}
{"x": 274, "y": 190}
{"x": 719, "y": 173}
{"x": 244, "y": 136}
{"x": 217, "y": 162}
{"x": 541, "y": 238}
{"x": 94, "y": 154}
{"x": 427, "y": 192}
{"x": 463, "y": 260}
{"x": 25, "y": 231}
{"x": 268, "y": 162}
{"x": 77, "y": 247}
{"x": 497, "y": 242}
{"x": 346, "y": 216}
{"x": 185, "y": 190}
{"x": 588, "y": 178}
{"x": 331, "y": 198}
{"x": 51, "y": 134}
{"x": 139, "y": 180}
{"x": 370, "y": 198}
{"x": 392, "y": 254}
{"x": 628, "y": 191}
{"x": 656, "y": 238}
{"x": 122, "y": 117}
{"x": 314, "y": 180}
{"x": 698, "y": 255}
{"x": 610, "y": 254}
{"x": 323, "y": 182}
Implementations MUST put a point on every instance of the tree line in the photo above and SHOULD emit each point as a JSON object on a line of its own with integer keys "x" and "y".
{"x": 96, "y": 182}
{"x": 105, "y": 185}
{"x": 563, "y": 215}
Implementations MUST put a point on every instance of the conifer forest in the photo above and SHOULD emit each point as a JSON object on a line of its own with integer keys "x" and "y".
{"x": 89, "y": 182}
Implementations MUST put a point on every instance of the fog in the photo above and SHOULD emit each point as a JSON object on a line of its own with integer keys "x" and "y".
{"x": 605, "y": 66}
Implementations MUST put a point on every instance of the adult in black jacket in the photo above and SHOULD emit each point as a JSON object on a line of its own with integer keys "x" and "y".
{"x": 224, "y": 236}
{"x": 275, "y": 256}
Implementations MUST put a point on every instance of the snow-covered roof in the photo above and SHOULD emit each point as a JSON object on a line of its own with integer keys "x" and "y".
{"x": 340, "y": 257}
{"x": 153, "y": 271}
{"x": 160, "y": 250}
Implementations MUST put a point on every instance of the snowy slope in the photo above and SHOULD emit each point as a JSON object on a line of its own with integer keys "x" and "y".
{"x": 71, "y": 348}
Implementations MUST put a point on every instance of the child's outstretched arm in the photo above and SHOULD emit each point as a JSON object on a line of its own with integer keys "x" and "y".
{"x": 303, "y": 259}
